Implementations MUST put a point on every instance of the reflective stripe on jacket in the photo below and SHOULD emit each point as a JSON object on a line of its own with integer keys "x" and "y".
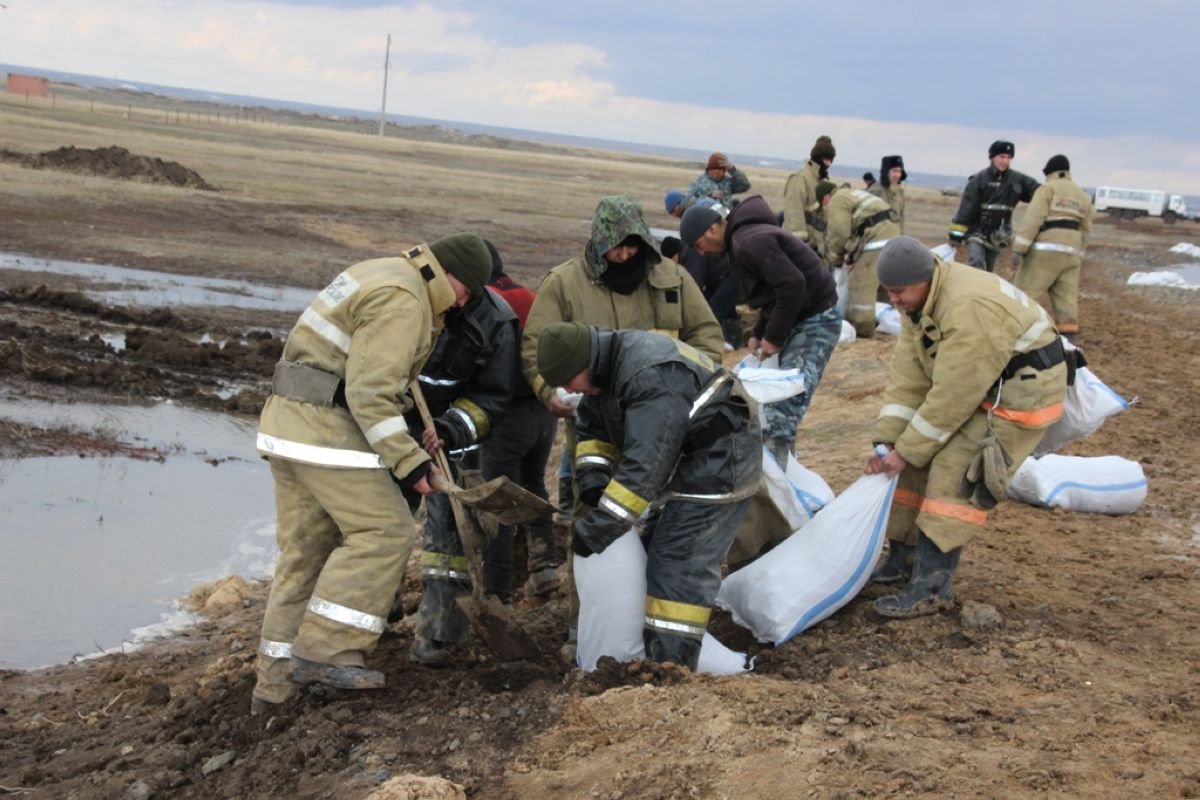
{"x": 1059, "y": 199}
{"x": 372, "y": 327}
{"x": 847, "y": 210}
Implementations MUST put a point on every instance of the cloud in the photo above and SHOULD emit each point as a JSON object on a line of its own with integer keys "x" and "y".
{"x": 446, "y": 65}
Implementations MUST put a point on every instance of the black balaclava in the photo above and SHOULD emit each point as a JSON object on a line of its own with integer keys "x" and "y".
{"x": 626, "y": 278}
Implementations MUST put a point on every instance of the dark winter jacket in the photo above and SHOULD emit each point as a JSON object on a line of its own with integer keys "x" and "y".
{"x": 668, "y": 424}
{"x": 474, "y": 374}
{"x": 709, "y": 272}
{"x": 780, "y": 274}
{"x": 985, "y": 211}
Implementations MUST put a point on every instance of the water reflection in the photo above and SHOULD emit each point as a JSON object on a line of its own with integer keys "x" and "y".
{"x": 96, "y": 547}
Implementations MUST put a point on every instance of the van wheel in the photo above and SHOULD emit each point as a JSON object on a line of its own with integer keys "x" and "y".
{"x": 1129, "y": 213}
{"x": 1169, "y": 217}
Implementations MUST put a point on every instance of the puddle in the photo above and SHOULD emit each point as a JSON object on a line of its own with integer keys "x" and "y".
{"x": 99, "y": 549}
{"x": 152, "y": 289}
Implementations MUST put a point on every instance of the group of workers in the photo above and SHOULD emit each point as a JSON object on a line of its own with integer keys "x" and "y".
{"x": 625, "y": 346}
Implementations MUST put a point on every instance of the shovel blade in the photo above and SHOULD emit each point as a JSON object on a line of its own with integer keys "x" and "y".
{"x": 491, "y": 623}
{"x": 509, "y": 503}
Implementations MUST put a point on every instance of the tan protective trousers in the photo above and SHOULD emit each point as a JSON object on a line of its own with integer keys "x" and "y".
{"x": 1056, "y": 274}
{"x": 344, "y": 538}
{"x": 863, "y": 287}
{"x": 931, "y": 498}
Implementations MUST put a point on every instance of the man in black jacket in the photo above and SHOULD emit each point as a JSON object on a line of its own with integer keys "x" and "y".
{"x": 794, "y": 290}
{"x": 668, "y": 441}
{"x": 984, "y": 218}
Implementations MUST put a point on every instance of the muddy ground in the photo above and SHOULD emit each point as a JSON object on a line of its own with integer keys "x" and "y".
{"x": 1087, "y": 686}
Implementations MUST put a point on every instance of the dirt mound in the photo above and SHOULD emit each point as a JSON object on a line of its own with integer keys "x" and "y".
{"x": 112, "y": 162}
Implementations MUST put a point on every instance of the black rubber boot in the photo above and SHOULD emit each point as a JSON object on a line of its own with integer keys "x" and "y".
{"x": 305, "y": 672}
{"x": 668, "y": 647}
{"x": 566, "y": 501}
{"x": 929, "y": 589}
{"x": 428, "y": 653}
{"x": 898, "y": 565}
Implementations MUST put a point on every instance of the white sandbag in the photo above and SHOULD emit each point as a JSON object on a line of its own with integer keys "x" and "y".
{"x": 799, "y": 493}
{"x": 848, "y": 333}
{"x": 887, "y": 319}
{"x": 841, "y": 279}
{"x": 768, "y": 384}
{"x": 1102, "y": 484}
{"x": 612, "y": 611}
{"x": 1088, "y": 403}
{"x": 817, "y": 570}
{"x": 944, "y": 251}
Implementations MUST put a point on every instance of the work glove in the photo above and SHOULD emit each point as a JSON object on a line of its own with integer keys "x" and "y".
{"x": 591, "y": 483}
{"x": 451, "y": 431}
{"x": 985, "y": 483}
{"x": 1016, "y": 260}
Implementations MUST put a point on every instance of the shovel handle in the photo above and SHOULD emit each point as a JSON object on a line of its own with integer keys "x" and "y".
{"x": 462, "y": 519}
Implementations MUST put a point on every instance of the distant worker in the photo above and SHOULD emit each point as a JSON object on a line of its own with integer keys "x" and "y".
{"x": 344, "y": 463}
{"x": 675, "y": 202}
{"x": 662, "y": 429}
{"x": 977, "y": 376}
{"x": 890, "y": 188}
{"x": 1052, "y": 236}
{"x": 984, "y": 217}
{"x": 868, "y": 179}
{"x": 618, "y": 281}
{"x": 720, "y": 181}
{"x": 859, "y": 225}
{"x": 796, "y": 295}
{"x": 801, "y": 210}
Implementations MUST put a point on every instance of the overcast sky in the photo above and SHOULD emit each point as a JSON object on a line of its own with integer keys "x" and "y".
{"x": 1110, "y": 83}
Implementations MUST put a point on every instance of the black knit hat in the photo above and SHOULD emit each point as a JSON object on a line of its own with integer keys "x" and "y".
{"x": 564, "y": 350}
{"x": 1002, "y": 148}
{"x": 695, "y": 221}
{"x": 1058, "y": 163}
{"x": 669, "y": 246}
{"x": 466, "y": 257}
{"x": 823, "y": 148}
{"x": 868, "y": 177}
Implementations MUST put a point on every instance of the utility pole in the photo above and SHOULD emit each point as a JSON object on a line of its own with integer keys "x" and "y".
{"x": 383, "y": 106}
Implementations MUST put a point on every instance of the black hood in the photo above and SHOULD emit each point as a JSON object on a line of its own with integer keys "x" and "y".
{"x": 751, "y": 211}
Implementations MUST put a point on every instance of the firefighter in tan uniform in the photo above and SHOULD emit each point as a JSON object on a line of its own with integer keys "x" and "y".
{"x": 977, "y": 376}
{"x": 858, "y": 226}
{"x": 1048, "y": 248}
{"x": 343, "y": 461}
{"x": 890, "y": 188}
{"x": 801, "y": 209}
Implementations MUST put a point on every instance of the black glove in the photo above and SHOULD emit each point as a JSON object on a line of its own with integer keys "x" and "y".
{"x": 579, "y": 547}
{"x": 451, "y": 431}
{"x": 591, "y": 484}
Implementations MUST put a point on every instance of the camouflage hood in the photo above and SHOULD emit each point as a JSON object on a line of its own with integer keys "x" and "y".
{"x": 616, "y": 219}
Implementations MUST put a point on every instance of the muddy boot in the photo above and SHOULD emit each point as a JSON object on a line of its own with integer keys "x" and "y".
{"x": 898, "y": 564}
{"x": 306, "y": 672}
{"x": 566, "y": 501}
{"x": 263, "y": 708}
{"x": 428, "y": 653}
{"x": 668, "y": 647}
{"x": 542, "y": 582}
{"x": 929, "y": 589}
{"x": 732, "y": 328}
{"x": 567, "y": 652}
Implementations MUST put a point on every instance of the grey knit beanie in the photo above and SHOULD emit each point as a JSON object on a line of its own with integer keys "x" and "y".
{"x": 695, "y": 221}
{"x": 903, "y": 262}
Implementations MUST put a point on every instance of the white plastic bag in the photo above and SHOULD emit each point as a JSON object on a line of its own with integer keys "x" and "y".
{"x": 841, "y": 279}
{"x": 815, "y": 571}
{"x": 799, "y": 493}
{"x": 1089, "y": 402}
{"x": 770, "y": 384}
{"x": 1102, "y": 485}
{"x": 848, "y": 333}
{"x": 887, "y": 319}
{"x": 612, "y": 611}
{"x": 945, "y": 251}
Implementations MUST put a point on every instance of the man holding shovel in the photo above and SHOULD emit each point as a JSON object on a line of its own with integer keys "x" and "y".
{"x": 343, "y": 461}
{"x": 473, "y": 386}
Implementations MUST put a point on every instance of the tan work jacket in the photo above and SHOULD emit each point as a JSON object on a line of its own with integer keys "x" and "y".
{"x": 1058, "y": 200}
{"x": 373, "y": 327}
{"x": 846, "y": 213}
{"x": 800, "y": 202}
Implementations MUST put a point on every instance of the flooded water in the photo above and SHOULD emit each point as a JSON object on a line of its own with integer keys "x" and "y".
{"x": 97, "y": 549}
{"x": 139, "y": 287}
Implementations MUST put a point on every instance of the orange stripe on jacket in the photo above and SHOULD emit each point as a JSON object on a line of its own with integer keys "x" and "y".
{"x": 942, "y": 508}
{"x": 1034, "y": 418}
